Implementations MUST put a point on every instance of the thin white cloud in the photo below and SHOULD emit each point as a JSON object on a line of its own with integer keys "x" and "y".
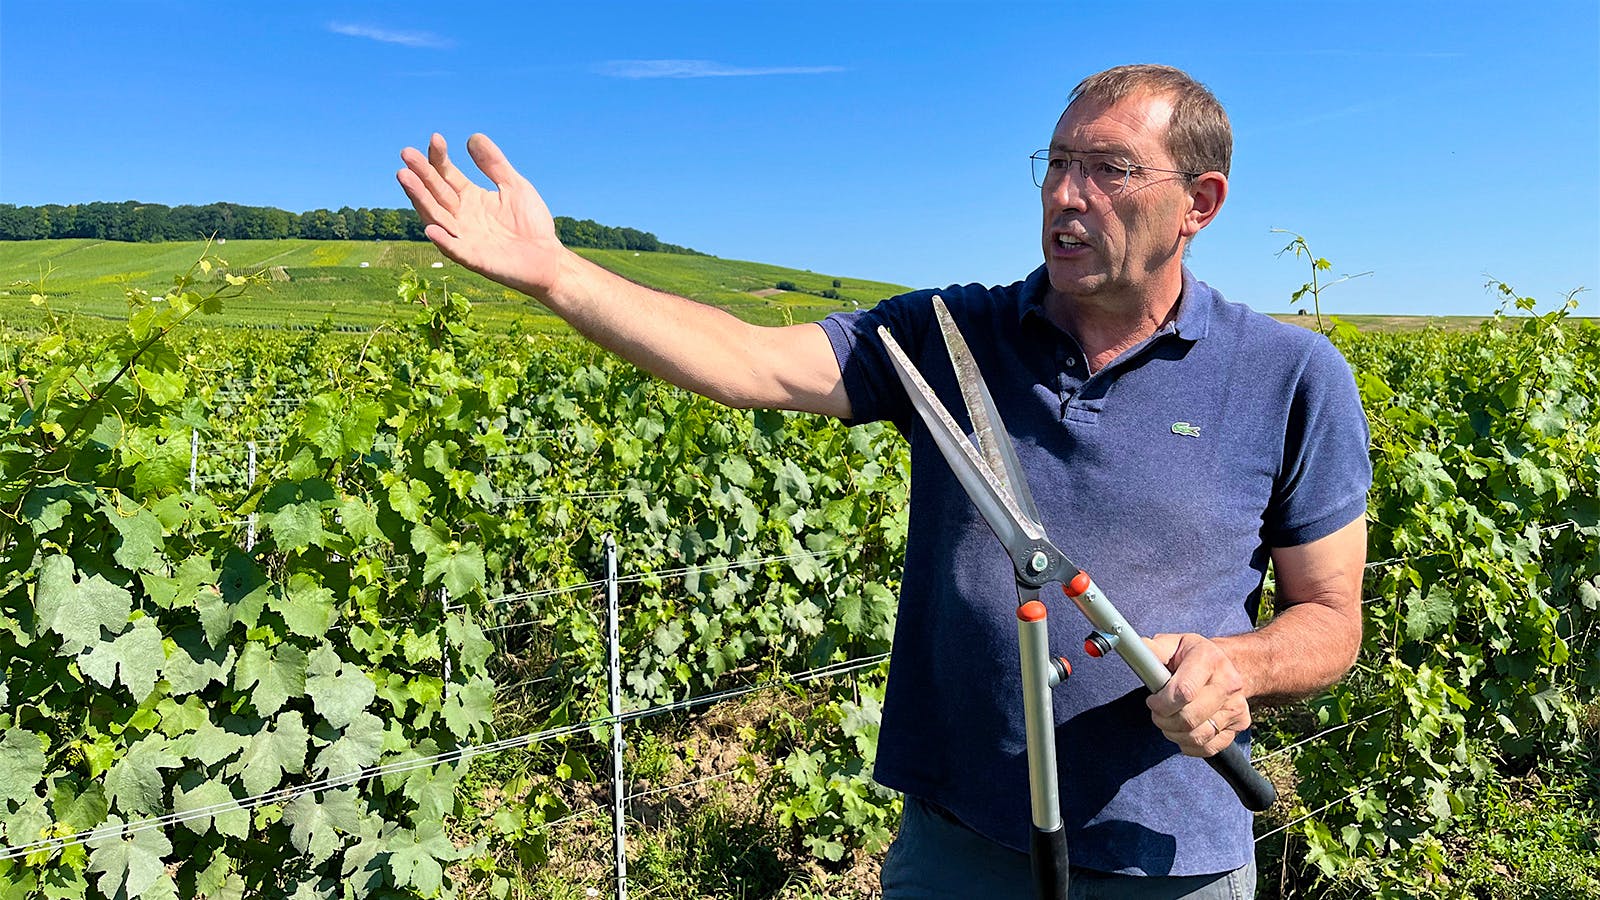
{"x": 390, "y": 36}
{"x": 700, "y": 68}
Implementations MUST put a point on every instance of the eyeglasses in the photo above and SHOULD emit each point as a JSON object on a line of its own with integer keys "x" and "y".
{"x": 1106, "y": 173}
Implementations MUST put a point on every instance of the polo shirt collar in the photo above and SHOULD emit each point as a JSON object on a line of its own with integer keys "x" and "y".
{"x": 1194, "y": 303}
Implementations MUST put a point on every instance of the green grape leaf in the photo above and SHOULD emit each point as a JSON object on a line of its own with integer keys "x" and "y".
{"x": 360, "y": 521}
{"x": 297, "y": 525}
{"x": 414, "y": 857}
{"x": 21, "y": 765}
{"x": 48, "y": 506}
{"x": 77, "y": 610}
{"x": 462, "y": 571}
{"x": 194, "y": 792}
{"x": 337, "y": 430}
{"x": 79, "y": 812}
{"x": 276, "y": 675}
{"x": 738, "y": 471}
{"x": 338, "y": 690}
{"x": 791, "y": 482}
{"x": 209, "y": 744}
{"x": 131, "y": 864}
{"x": 306, "y": 606}
{"x": 292, "y": 511}
{"x": 1425, "y": 615}
{"x": 419, "y": 646}
{"x": 473, "y": 648}
{"x": 432, "y": 789}
{"x": 355, "y": 749}
{"x": 194, "y": 576}
{"x": 218, "y": 881}
{"x": 193, "y": 665}
{"x": 164, "y": 467}
{"x": 181, "y": 718}
{"x": 469, "y": 707}
{"x": 1422, "y": 475}
{"x": 311, "y": 828}
{"x": 135, "y": 781}
{"x": 271, "y": 753}
{"x": 408, "y": 499}
{"x": 31, "y": 822}
{"x": 140, "y": 532}
{"x": 136, "y": 656}
{"x": 241, "y": 594}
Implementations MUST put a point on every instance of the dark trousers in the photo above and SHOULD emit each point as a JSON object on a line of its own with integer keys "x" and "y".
{"x": 936, "y": 857}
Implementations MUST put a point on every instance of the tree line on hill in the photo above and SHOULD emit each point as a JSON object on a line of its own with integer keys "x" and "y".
{"x": 155, "y": 222}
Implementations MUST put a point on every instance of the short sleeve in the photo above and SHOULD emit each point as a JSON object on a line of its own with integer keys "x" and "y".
{"x": 1326, "y": 471}
{"x": 869, "y": 378}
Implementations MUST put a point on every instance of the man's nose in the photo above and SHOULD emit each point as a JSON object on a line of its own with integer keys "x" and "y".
{"x": 1069, "y": 190}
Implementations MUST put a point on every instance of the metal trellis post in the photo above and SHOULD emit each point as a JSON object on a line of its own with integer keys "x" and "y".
{"x": 250, "y": 530}
{"x": 444, "y": 610}
{"x": 619, "y": 788}
{"x": 194, "y": 460}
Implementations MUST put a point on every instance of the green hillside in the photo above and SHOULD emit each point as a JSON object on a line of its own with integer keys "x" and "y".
{"x": 327, "y": 281}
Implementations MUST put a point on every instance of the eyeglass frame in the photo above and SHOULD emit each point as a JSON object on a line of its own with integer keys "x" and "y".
{"x": 1128, "y": 168}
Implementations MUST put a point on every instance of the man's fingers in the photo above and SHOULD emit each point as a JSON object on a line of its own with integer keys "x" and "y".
{"x": 491, "y": 161}
{"x": 1212, "y": 734}
{"x": 1163, "y": 646}
{"x": 448, "y": 244}
{"x": 439, "y": 158}
{"x": 444, "y": 195}
{"x": 423, "y": 199}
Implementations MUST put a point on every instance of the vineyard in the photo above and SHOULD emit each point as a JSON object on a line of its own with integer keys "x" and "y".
{"x": 318, "y": 614}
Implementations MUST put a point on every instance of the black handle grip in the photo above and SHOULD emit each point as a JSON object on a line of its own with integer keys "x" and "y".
{"x": 1047, "y": 851}
{"x": 1253, "y": 788}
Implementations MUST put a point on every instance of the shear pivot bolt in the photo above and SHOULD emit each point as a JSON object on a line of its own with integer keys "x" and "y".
{"x": 1038, "y": 561}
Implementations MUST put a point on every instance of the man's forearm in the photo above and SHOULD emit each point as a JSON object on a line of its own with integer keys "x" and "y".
{"x": 698, "y": 347}
{"x": 1305, "y": 648}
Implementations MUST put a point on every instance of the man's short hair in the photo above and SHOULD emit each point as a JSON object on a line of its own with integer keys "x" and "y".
{"x": 1198, "y": 137}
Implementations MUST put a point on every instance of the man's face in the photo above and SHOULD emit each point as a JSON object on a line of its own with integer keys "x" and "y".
{"x": 1106, "y": 243}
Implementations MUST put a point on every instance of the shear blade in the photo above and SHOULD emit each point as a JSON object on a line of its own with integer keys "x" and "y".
{"x": 993, "y": 441}
{"x": 995, "y": 502}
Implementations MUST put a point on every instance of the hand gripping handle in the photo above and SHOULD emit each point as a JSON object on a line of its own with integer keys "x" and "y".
{"x": 1253, "y": 788}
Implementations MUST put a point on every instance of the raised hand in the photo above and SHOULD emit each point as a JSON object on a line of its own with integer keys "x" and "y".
{"x": 506, "y": 234}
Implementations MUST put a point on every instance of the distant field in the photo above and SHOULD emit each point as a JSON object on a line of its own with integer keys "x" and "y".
{"x": 327, "y": 282}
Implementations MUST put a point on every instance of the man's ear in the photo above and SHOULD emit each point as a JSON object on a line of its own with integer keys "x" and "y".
{"x": 1206, "y": 196}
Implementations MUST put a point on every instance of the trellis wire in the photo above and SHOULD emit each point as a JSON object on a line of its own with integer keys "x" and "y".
{"x": 1323, "y": 733}
{"x": 286, "y": 794}
{"x": 1316, "y": 812}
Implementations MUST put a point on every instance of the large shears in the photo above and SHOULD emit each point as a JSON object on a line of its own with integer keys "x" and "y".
{"x": 992, "y": 477}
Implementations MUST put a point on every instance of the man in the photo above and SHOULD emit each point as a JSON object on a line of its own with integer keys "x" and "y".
{"x": 1173, "y": 441}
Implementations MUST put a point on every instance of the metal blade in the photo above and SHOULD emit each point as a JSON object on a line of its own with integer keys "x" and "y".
{"x": 1013, "y": 528}
{"x": 990, "y": 432}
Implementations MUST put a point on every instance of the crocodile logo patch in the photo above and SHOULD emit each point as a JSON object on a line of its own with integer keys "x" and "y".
{"x": 1185, "y": 429}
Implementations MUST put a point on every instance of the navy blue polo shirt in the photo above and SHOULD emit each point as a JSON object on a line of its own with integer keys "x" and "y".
{"x": 1168, "y": 476}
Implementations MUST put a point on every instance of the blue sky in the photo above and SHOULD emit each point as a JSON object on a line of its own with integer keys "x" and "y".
{"x": 1433, "y": 144}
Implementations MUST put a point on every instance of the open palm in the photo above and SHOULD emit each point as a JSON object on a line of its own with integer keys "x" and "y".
{"x": 506, "y": 234}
